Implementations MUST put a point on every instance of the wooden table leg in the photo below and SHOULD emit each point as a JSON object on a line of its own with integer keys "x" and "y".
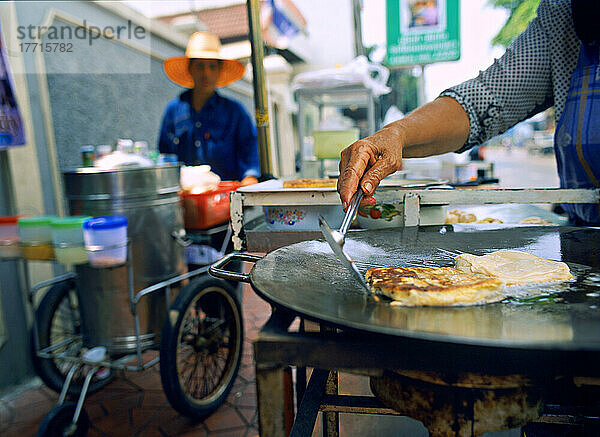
{"x": 270, "y": 394}
{"x": 331, "y": 419}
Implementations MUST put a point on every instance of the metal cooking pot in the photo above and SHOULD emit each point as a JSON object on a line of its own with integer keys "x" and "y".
{"x": 148, "y": 198}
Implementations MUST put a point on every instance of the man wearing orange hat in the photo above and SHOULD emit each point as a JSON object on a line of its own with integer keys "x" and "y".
{"x": 203, "y": 127}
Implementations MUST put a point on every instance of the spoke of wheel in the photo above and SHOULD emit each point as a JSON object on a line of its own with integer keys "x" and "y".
{"x": 202, "y": 371}
{"x": 63, "y": 327}
{"x": 187, "y": 382}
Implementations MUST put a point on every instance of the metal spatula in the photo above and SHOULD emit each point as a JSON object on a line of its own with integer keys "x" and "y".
{"x": 335, "y": 239}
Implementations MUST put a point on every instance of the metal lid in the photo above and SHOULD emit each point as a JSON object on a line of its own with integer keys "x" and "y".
{"x": 105, "y": 222}
{"x": 95, "y": 184}
{"x": 40, "y": 220}
{"x": 8, "y": 220}
{"x": 75, "y": 221}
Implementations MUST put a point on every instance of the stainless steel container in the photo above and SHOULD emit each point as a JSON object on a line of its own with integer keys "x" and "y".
{"x": 148, "y": 198}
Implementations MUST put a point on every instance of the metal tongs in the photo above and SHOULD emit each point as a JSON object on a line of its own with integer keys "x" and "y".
{"x": 336, "y": 239}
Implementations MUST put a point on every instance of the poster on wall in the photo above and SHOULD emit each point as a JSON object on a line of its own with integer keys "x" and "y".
{"x": 422, "y": 32}
{"x": 11, "y": 125}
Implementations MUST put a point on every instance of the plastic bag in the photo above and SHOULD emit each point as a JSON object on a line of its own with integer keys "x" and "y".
{"x": 336, "y": 122}
{"x": 119, "y": 159}
{"x": 392, "y": 114}
{"x": 359, "y": 71}
{"x": 198, "y": 179}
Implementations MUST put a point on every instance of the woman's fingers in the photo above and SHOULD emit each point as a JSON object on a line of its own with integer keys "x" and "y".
{"x": 383, "y": 166}
{"x": 353, "y": 163}
{"x": 366, "y": 162}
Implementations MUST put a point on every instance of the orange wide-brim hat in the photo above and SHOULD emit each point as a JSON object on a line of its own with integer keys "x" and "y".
{"x": 202, "y": 45}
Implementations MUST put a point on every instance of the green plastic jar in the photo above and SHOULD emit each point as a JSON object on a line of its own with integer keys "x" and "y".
{"x": 67, "y": 238}
{"x": 36, "y": 237}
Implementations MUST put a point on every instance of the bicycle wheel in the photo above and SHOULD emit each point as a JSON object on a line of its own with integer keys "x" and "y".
{"x": 58, "y": 422}
{"x": 201, "y": 347}
{"x": 59, "y": 324}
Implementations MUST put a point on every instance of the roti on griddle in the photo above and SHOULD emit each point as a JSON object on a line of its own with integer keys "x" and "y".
{"x": 310, "y": 183}
{"x": 514, "y": 267}
{"x": 433, "y": 286}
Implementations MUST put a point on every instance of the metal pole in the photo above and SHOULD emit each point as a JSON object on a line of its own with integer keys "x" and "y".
{"x": 421, "y": 95}
{"x": 359, "y": 48}
{"x": 260, "y": 89}
{"x": 6, "y": 185}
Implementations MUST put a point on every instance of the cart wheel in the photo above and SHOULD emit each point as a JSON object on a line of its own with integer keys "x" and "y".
{"x": 58, "y": 320}
{"x": 58, "y": 422}
{"x": 201, "y": 347}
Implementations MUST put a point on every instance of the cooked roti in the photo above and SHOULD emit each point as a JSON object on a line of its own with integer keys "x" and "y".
{"x": 433, "y": 286}
{"x": 536, "y": 221}
{"x": 310, "y": 183}
{"x": 514, "y": 267}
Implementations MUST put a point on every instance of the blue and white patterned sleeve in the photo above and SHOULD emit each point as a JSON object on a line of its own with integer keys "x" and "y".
{"x": 512, "y": 89}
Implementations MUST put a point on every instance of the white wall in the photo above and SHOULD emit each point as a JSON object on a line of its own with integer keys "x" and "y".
{"x": 330, "y": 32}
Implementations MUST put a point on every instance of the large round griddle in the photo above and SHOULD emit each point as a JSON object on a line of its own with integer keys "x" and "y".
{"x": 307, "y": 279}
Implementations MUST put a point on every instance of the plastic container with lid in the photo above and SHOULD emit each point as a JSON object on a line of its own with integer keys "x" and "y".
{"x": 211, "y": 208}
{"x": 125, "y": 145}
{"x": 36, "y": 237}
{"x": 9, "y": 238}
{"x": 106, "y": 240}
{"x": 67, "y": 238}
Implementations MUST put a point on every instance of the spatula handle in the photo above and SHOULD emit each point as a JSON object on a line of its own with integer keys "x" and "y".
{"x": 351, "y": 212}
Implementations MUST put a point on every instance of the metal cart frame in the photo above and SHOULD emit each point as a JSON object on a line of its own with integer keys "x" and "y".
{"x": 245, "y": 236}
{"x": 92, "y": 365}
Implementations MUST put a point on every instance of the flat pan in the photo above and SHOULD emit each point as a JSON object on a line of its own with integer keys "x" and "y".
{"x": 308, "y": 279}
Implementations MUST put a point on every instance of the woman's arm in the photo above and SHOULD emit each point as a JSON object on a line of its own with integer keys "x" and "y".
{"x": 515, "y": 87}
{"x": 437, "y": 127}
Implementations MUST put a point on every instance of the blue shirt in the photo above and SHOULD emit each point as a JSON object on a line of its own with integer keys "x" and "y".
{"x": 221, "y": 135}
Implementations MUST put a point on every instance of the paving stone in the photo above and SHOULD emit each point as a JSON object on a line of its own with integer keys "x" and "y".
{"x": 93, "y": 432}
{"x": 248, "y": 399}
{"x": 194, "y": 433}
{"x": 146, "y": 379}
{"x": 176, "y": 424}
{"x": 34, "y": 413}
{"x": 95, "y": 410}
{"x": 30, "y": 397}
{"x": 247, "y": 372}
{"x": 120, "y": 400}
{"x": 248, "y": 414}
{"x": 252, "y": 432}
{"x": 155, "y": 398}
{"x": 141, "y": 417}
{"x": 148, "y": 432}
{"x": 224, "y": 418}
{"x": 236, "y": 432}
{"x": 115, "y": 424}
{"x": 29, "y": 429}
{"x": 6, "y": 416}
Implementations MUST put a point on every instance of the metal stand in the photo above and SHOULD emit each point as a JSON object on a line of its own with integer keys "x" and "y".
{"x": 348, "y": 96}
{"x": 80, "y": 360}
{"x": 332, "y": 350}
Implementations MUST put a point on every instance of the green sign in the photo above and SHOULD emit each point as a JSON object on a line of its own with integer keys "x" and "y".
{"x": 422, "y": 32}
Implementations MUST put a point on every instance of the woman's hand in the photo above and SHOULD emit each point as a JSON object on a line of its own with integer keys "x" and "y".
{"x": 438, "y": 127}
{"x": 367, "y": 162}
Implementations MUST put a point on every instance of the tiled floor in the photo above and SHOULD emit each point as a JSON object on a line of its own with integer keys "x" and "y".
{"x": 134, "y": 404}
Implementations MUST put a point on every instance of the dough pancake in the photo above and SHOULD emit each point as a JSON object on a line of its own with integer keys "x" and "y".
{"x": 310, "y": 183}
{"x": 429, "y": 286}
{"x": 460, "y": 216}
{"x": 536, "y": 221}
{"x": 514, "y": 267}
